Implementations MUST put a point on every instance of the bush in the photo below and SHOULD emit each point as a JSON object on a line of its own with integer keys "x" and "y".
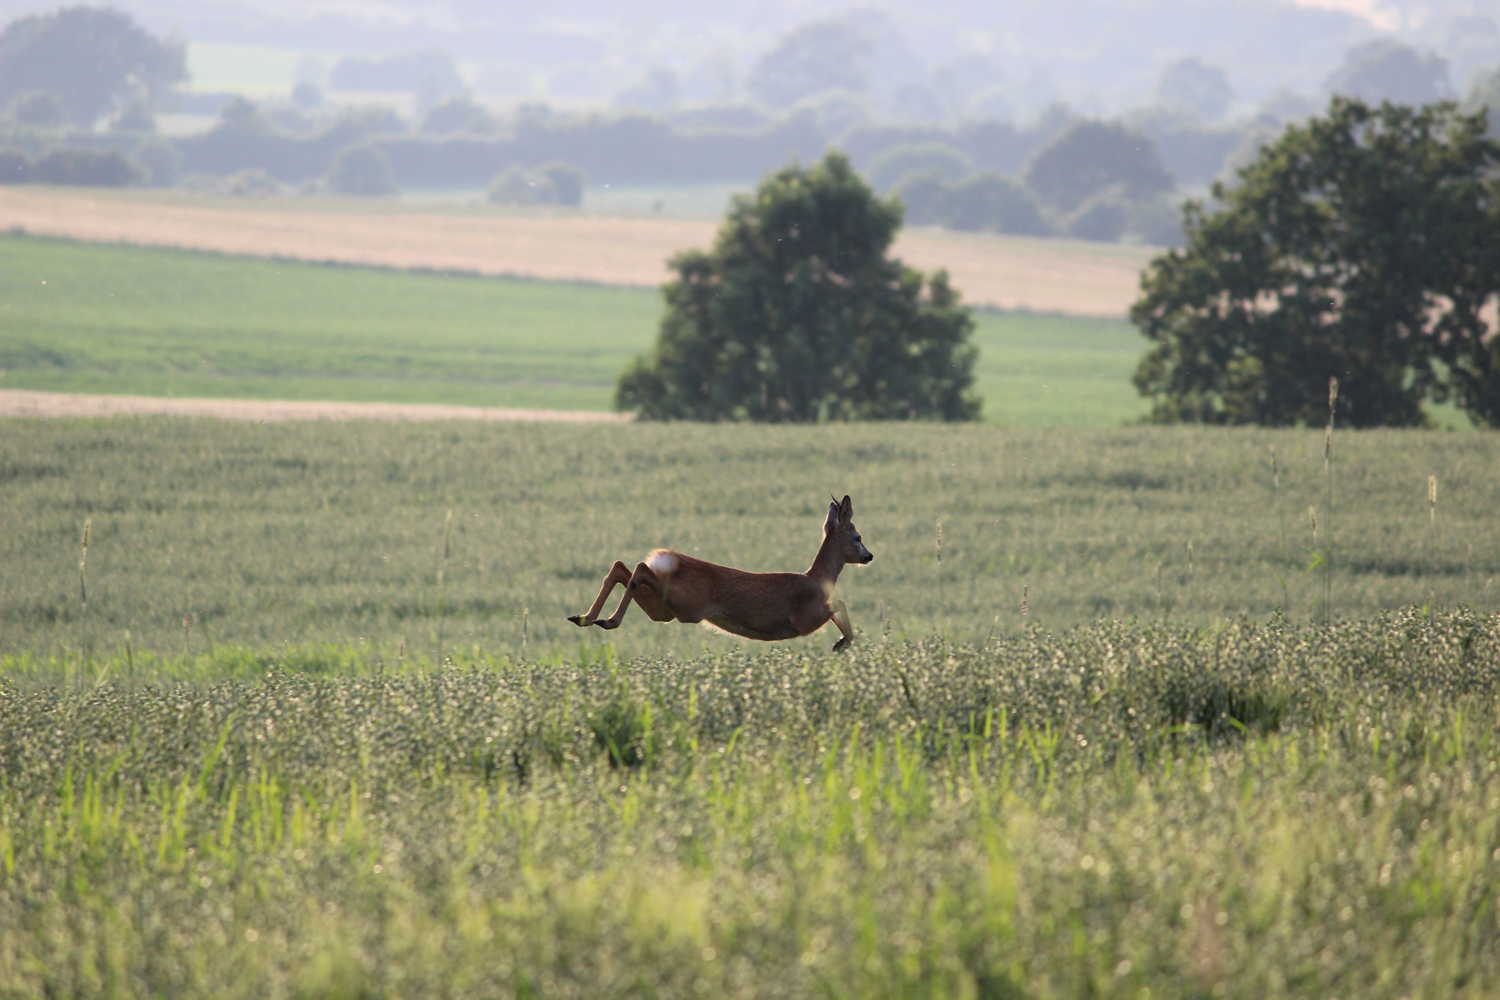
{"x": 798, "y": 315}
{"x": 900, "y": 161}
{"x": 1101, "y": 218}
{"x": 551, "y": 184}
{"x": 86, "y": 168}
{"x": 160, "y": 159}
{"x": 982, "y": 202}
{"x": 567, "y": 182}
{"x": 251, "y": 183}
{"x": 924, "y": 196}
{"x": 15, "y": 167}
{"x": 518, "y": 186}
{"x": 361, "y": 169}
{"x": 995, "y": 203}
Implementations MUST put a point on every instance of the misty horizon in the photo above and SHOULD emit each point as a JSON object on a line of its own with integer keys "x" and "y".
{"x": 928, "y": 62}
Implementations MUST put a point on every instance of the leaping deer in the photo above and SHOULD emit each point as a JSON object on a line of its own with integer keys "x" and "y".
{"x": 670, "y": 586}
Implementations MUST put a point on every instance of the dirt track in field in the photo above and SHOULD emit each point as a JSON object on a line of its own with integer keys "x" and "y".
{"x": 1007, "y": 272}
{"x": 25, "y": 403}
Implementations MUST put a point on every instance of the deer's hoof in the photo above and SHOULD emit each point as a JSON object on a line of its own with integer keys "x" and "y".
{"x": 841, "y": 644}
{"x": 578, "y": 620}
{"x": 605, "y": 623}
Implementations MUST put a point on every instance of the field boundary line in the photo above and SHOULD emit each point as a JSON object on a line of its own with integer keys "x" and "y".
{"x": 50, "y": 405}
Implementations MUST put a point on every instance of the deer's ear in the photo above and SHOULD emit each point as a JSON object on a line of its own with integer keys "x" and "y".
{"x": 846, "y": 509}
{"x": 832, "y": 520}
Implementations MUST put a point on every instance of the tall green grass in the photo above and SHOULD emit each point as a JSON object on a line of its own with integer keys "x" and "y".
{"x": 93, "y": 318}
{"x": 1116, "y": 811}
{"x": 229, "y": 534}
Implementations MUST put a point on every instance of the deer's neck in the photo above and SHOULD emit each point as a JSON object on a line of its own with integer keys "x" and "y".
{"x": 826, "y": 564}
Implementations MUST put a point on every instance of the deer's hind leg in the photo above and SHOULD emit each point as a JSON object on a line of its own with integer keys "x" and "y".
{"x": 619, "y": 573}
{"x": 646, "y": 589}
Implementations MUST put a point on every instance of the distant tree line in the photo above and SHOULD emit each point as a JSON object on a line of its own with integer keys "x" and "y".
{"x": 1060, "y": 174}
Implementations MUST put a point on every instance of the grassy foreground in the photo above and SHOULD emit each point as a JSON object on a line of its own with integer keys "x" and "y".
{"x": 287, "y": 749}
{"x": 209, "y": 534}
{"x": 80, "y": 317}
{"x": 1121, "y": 810}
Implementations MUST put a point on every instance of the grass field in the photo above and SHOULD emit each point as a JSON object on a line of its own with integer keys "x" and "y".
{"x": 1118, "y": 811}
{"x": 1017, "y": 273}
{"x": 81, "y": 317}
{"x": 287, "y": 750}
{"x": 309, "y": 533}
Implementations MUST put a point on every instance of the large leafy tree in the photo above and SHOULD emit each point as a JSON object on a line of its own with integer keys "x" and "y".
{"x": 1361, "y": 245}
{"x": 95, "y": 59}
{"x": 798, "y": 315}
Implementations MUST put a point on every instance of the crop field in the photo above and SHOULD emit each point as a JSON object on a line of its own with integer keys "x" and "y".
{"x": 294, "y": 729}
{"x": 1067, "y": 277}
{"x": 311, "y": 533}
{"x": 82, "y": 317}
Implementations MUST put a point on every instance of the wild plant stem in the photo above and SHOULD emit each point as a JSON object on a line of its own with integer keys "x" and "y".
{"x": 1333, "y": 398}
{"x": 441, "y": 580}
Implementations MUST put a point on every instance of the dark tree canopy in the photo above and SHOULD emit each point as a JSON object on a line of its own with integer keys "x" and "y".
{"x": 1361, "y": 245}
{"x": 95, "y": 59}
{"x": 1091, "y": 157}
{"x": 798, "y": 315}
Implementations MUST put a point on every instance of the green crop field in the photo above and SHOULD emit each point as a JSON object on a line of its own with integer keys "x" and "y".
{"x": 1125, "y": 716}
{"x": 79, "y": 317}
{"x": 311, "y": 532}
{"x": 266, "y": 741}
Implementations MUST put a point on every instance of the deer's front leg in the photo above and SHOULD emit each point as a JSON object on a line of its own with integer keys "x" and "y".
{"x": 840, "y": 618}
{"x": 618, "y": 573}
{"x": 644, "y": 587}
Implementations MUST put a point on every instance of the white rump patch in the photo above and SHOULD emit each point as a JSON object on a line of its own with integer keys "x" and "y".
{"x": 662, "y": 562}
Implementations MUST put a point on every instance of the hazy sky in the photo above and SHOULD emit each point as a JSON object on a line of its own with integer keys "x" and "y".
{"x": 1102, "y": 56}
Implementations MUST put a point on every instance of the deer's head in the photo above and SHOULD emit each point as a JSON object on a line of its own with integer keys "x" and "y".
{"x": 840, "y": 526}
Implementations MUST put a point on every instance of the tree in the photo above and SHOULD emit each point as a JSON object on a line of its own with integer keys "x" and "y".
{"x": 910, "y": 157}
{"x": 1091, "y": 157}
{"x": 553, "y": 183}
{"x": 827, "y": 55}
{"x": 95, "y": 59}
{"x": 38, "y": 108}
{"x": 1202, "y": 89}
{"x": 984, "y": 201}
{"x": 361, "y": 169}
{"x": 798, "y": 315}
{"x": 1358, "y": 246}
{"x": 1383, "y": 70}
